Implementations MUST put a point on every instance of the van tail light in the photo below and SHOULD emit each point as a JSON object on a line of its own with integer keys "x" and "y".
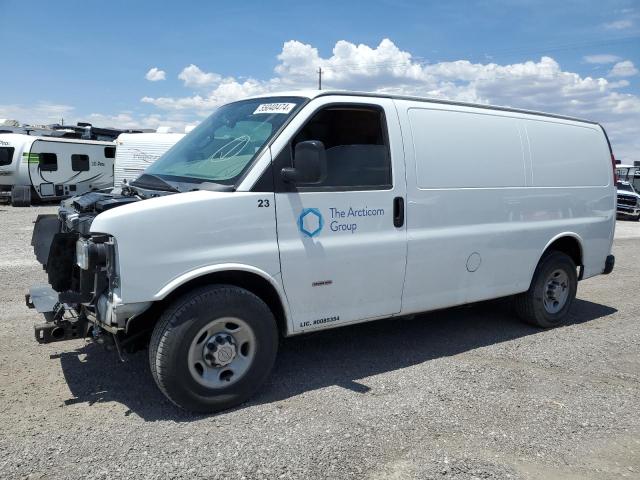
{"x": 613, "y": 159}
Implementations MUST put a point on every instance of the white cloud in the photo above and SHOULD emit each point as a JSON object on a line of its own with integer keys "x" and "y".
{"x": 535, "y": 84}
{"x": 155, "y": 75}
{"x": 619, "y": 25}
{"x": 623, "y": 69}
{"x": 40, "y": 114}
{"x": 132, "y": 120}
{"x": 538, "y": 85}
{"x": 601, "y": 58}
{"x": 192, "y": 76}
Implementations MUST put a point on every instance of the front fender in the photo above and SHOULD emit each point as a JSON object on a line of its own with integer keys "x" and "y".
{"x": 163, "y": 242}
{"x": 187, "y": 277}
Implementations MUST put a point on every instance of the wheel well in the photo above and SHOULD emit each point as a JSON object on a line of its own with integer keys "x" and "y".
{"x": 247, "y": 280}
{"x": 569, "y": 246}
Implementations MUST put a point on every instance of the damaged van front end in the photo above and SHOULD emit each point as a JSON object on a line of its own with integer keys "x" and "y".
{"x": 81, "y": 297}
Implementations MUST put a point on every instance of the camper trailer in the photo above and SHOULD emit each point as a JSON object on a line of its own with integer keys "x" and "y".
{"x": 34, "y": 168}
{"x": 136, "y": 151}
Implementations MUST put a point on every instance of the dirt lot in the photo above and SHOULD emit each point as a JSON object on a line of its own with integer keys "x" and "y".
{"x": 463, "y": 393}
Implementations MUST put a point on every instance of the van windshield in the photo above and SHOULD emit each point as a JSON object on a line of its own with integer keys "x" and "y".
{"x": 222, "y": 147}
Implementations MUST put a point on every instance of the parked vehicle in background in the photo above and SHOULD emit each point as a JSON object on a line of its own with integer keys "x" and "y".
{"x": 136, "y": 151}
{"x": 82, "y": 130}
{"x": 629, "y": 173}
{"x": 628, "y": 204}
{"x": 34, "y": 168}
{"x": 286, "y": 214}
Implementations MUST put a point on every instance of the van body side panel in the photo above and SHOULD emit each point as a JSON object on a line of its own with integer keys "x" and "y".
{"x": 477, "y": 226}
{"x": 571, "y": 161}
{"x": 567, "y": 155}
{"x": 163, "y": 239}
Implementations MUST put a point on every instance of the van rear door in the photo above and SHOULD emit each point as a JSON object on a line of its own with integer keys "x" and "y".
{"x": 343, "y": 241}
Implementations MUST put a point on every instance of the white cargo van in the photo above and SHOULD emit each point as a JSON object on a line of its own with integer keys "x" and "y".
{"x": 51, "y": 168}
{"x": 136, "y": 151}
{"x": 306, "y": 211}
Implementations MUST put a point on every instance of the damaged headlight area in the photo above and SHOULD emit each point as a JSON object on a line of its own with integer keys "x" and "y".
{"x": 83, "y": 294}
{"x": 90, "y": 254}
{"x": 81, "y": 270}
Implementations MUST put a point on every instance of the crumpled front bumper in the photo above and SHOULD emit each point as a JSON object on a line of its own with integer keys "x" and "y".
{"x": 56, "y": 327}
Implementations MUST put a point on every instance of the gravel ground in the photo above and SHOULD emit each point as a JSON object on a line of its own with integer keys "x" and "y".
{"x": 464, "y": 393}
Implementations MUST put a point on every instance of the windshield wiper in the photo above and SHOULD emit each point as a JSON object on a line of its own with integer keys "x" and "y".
{"x": 149, "y": 181}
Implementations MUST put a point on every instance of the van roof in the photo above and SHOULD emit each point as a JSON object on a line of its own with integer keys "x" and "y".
{"x": 311, "y": 94}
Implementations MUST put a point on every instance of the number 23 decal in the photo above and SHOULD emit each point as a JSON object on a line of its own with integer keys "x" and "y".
{"x": 263, "y": 203}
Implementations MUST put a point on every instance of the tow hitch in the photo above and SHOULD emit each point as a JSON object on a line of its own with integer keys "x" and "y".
{"x": 56, "y": 328}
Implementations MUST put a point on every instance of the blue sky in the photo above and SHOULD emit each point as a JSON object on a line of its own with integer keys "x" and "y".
{"x": 88, "y": 60}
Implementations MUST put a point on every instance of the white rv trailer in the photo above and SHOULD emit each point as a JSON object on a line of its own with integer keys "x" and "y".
{"x": 51, "y": 168}
{"x": 136, "y": 151}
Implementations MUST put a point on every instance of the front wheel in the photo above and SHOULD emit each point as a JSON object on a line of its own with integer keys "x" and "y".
{"x": 213, "y": 348}
{"x": 552, "y": 291}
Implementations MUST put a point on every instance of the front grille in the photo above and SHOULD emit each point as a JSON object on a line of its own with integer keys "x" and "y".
{"x": 626, "y": 200}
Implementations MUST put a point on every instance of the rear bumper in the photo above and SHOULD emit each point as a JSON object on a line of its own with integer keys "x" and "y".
{"x": 609, "y": 264}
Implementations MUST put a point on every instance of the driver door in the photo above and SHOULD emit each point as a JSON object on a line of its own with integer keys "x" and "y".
{"x": 343, "y": 241}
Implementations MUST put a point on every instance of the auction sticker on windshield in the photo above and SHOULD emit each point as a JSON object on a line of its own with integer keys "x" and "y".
{"x": 274, "y": 108}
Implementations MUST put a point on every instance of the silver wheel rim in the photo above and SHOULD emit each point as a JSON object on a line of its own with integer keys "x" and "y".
{"x": 556, "y": 291}
{"x": 221, "y": 352}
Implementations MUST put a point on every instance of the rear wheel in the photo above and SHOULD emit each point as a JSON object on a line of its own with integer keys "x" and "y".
{"x": 552, "y": 291}
{"x": 213, "y": 348}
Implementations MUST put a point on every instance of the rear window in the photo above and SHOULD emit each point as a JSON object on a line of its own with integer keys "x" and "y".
{"x": 6, "y": 155}
{"x": 48, "y": 162}
{"x": 79, "y": 163}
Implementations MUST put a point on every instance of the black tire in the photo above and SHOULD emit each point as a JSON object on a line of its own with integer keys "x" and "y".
{"x": 530, "y": 305}
{"x": 21, "y": 196}
{"x": 175, "y": 333}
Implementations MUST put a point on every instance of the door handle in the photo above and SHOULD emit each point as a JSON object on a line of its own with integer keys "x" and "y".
{"x": 398, "y": 211}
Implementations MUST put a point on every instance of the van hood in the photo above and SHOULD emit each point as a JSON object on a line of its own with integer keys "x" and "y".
{"x": 138, "y": 214}
{"x": 77, "y": 213}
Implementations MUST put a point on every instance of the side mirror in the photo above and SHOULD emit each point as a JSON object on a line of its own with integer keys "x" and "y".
{"x": 310, "y": 164}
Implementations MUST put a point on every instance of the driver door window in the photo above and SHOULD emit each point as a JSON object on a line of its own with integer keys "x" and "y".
{"x": 356, "y": 145}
